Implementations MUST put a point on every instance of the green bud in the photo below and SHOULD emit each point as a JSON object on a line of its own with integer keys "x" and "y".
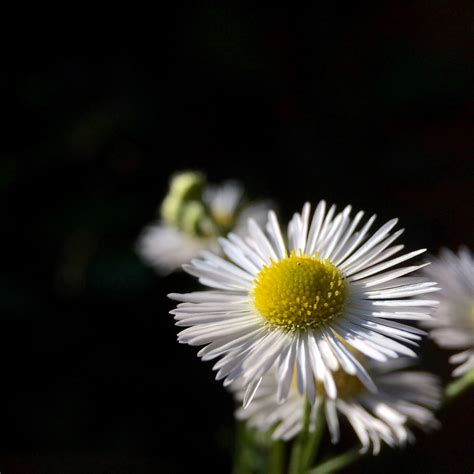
{"x": 193, "y": 213}
{"x": 187, "y": 186}
{"x": 170, "y": 210}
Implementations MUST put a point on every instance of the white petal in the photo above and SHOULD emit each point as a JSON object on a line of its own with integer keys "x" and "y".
{"x": 354, "y": 242}
{"x": 332, "y": 420}
{"x": 379, "y": 235}
{"x": 262, "y": 242}
{"x": 341, "y": 247}
{"x": 250, "y": 392}
{"x": 390, "y": 275}
{"x": 285, "y": 370}
{"x": 275, "y": 232}
{"x": 315, "y": 227}
{"x": 382, "y": 266}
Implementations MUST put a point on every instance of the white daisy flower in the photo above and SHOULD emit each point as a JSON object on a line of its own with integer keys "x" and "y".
{"x": 453, "y": 323}
{"x": 404, "y": 397}
{"x": 173, "y": 241}
{"x": 292, "y": 304}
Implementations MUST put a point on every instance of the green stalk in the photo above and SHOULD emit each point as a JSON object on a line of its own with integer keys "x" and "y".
{"x": 239, "y": 458}
{"x": 314, "y": 439}
{"x": 336, "y": 463}
{"x": 277, "y": 458}
{"x": 456, "y": 388}
{"x": 296, "y": 459}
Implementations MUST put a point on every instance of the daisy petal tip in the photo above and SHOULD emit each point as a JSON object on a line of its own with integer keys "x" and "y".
{"x": 186, "y": 267}
{"x": 363, "y": 449}
{"x": 372, "y": 388}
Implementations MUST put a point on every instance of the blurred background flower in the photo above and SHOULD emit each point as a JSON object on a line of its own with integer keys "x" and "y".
{"x": 193, "y": 215}
{"x": 404, "y": 398}
{"x": 452, "y": 326}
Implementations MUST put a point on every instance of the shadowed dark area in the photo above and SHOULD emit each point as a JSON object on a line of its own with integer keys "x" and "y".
{"x": 370, "y": 105}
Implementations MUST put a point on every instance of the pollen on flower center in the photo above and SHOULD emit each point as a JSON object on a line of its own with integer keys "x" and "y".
{"x": 299, "y": 292}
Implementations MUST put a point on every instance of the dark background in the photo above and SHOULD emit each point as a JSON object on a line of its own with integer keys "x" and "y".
{"x": 370, "y": 105}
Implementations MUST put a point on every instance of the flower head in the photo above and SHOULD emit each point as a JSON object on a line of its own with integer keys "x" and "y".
{"x": 192, "y": 216}
{"x": 298, "y": 303}
{"x": 453, "y": 323}
{"x": 403, "y": 398}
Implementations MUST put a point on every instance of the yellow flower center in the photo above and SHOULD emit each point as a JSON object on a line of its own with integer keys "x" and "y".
{"x": 224, "y": 220}
{"x": 299, "y": 292}
{"x": 347, "y": 385}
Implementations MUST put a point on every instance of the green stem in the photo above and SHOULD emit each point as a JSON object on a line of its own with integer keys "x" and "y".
{"x": 337, "y": 462}
{"x": 277, "y": 457}
{"x": 239, "y": 461}
{"x": 296, "y": 465}
{"x": 456, "y": 388}
{"x": 248, "y": 452}
{"x": 314, "y": 439}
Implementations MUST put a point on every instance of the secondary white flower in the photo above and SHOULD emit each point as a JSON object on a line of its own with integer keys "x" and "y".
{"x": 192, "y": 223}
{"x": 292, "y": 304}
{"x": 166, "y": 248}
{"x": 404, "y": 397}
{"x": 453, "y": 322}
